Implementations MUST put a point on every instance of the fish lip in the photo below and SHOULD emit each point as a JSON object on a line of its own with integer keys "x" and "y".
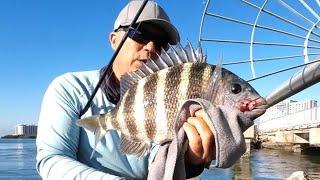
{"x": 262, "y": 108}
{"x": 256, "y": 104}
{"x": 257, "y": 108}
{"x": 262, "y": 104}
{"x": 255, "y": 113}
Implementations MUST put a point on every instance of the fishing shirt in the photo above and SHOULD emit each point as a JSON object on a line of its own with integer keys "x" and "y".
{"x": 64, "y": 149}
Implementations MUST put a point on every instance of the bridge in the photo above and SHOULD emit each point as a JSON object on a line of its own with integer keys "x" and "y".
{"x": 298, "y": 128}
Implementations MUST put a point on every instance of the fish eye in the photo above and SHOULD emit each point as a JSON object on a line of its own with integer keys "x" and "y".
{"x": 236, "y": 88}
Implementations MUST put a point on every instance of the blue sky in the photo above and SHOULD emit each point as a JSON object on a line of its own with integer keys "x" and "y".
{"x": 40, "y": 40}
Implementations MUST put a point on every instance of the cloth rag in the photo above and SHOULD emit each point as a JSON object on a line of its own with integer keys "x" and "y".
{"x": 227, "y": 125}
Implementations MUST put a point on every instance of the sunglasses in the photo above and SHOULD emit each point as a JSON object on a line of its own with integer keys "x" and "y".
{"x": 144, "y": 38}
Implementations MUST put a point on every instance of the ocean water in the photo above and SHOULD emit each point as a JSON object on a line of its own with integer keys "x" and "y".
{"x": 265, "y": 164}
{"x": 17, "y": 161}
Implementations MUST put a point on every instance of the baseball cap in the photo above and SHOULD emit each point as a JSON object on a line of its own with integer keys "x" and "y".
{"x": 151, "y": 13}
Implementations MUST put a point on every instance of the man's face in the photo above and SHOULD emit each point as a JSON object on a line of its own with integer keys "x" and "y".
{"x": 136, "y": 49}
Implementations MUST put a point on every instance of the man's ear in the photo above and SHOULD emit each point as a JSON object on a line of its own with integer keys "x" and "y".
{"x": 113, "y": 38}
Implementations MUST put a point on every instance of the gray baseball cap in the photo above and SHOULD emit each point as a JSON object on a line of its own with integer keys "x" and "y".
{"x": 151, "y": 13}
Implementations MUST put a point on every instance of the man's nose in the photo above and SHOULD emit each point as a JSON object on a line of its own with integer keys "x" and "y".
{"x": 150, "y": 47}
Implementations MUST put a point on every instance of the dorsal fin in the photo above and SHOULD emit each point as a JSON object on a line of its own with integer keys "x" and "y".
{"x": 199, "y": 54}
{"x": 161, "y": 62}
{"x": 181, "y": 53}
{"x": 164, "y": 55}
{"x": 174, "y": 56}
{"x": 126, "y": 81}
{"x": 190, "y": 52}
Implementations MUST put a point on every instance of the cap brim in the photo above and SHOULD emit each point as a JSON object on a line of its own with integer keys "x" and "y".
{"x": 171, "y": 31}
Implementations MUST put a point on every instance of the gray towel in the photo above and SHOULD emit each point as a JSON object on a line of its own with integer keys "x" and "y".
{"x": 228, "y": 126}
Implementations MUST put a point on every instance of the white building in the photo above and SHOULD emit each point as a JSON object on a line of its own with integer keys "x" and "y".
{"x": 285, "y": 108}
{"x": 19, "y": 129}
{"x": 26, "y": 130}
{"x": 301, "y": 106}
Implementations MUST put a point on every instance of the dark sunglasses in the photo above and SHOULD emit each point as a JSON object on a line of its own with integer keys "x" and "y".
{"x": 144, "y": 38}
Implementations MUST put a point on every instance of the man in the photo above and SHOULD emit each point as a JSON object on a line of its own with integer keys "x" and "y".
{"x": 64, "y": 149}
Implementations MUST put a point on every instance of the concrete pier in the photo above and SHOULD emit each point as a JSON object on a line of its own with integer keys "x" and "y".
{"x": 295, "y": 140}
{"x": 250, "y": 137}
{"x": 314, "y": 137}
{"x": 296, "y": 132}
{"x": 294, "y": 136}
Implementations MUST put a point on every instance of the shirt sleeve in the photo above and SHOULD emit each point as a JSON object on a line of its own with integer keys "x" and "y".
{"x": 58, "y": 136}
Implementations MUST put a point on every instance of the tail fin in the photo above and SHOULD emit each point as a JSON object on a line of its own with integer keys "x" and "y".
{"x": 90, "y": 123}
{"x": 94, "y": 125}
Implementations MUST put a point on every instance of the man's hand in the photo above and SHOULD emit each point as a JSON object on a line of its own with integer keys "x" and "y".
{"x": 201, "y": 146}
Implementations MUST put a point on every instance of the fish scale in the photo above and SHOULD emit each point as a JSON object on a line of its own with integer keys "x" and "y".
{"x": 172, "y": 93}
{"x": 139, "y": 110}
{"x": 152, "y": 95}
{"x": 150, "y": 125}
{"x": 129, "y": 111}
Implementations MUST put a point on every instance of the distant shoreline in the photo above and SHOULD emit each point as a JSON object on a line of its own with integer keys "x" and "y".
{"x": 18, "y": 137}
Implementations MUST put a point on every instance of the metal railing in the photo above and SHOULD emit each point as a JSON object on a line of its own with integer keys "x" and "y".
{"x": 304, "y": 119}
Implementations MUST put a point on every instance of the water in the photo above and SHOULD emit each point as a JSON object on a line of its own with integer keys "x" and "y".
{"x": 17, "y": 161}
{"x": 268, "y": 164}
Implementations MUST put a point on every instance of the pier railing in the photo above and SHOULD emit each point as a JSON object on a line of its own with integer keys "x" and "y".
{"x": 300, "y": 120}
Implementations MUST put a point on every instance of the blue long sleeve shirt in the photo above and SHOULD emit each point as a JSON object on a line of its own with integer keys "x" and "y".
{"x": 64, "y": 149}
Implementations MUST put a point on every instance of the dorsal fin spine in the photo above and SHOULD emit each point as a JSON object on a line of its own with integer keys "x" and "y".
{"x": 176, "y": 56}
{"x": 191, "y": 53}
{"x": 154, "y": 65}
{"x": 161, "y": 62}
{"x": 142, "y": 73}
{"x": 182, "y": 53}
{"x": 147, "y": 68}
{"x": 199, "y": 54}
{"x": 167, "y": 58}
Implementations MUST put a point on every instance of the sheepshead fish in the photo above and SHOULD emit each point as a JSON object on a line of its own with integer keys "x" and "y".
{"x": 152, "y": 96}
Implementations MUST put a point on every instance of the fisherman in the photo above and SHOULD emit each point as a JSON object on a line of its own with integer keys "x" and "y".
{"x": 64, "y": 149}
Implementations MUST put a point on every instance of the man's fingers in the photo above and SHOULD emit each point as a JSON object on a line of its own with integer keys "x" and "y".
{"x": 200, "y": 113}
{"x": 207, "y": 137}
{"x": 195, "y": 149}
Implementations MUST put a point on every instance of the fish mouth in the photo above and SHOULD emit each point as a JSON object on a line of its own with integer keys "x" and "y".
{"x": 254, "y": 108}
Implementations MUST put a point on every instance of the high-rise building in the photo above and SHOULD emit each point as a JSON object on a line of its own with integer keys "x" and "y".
{"x": 26, "y": 130}
{"x": 301, "y": 106}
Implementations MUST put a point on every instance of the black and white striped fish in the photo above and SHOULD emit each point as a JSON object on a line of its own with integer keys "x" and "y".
{"x": 152, "y": 95}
